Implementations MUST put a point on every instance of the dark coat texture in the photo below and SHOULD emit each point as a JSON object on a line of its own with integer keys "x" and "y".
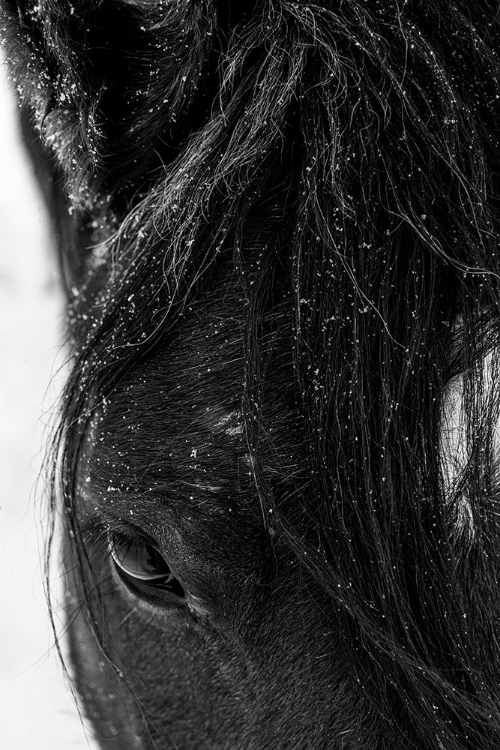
{"x": 277, "y": 458}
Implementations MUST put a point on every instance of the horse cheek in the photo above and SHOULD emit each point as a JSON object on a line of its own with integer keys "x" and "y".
{"x": 107, "y": 702}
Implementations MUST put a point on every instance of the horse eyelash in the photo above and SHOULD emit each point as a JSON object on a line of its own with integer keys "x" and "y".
{"x": 97, "y": 530}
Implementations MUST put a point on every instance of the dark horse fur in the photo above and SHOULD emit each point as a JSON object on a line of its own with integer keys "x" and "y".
{"x": 277, "y": 460}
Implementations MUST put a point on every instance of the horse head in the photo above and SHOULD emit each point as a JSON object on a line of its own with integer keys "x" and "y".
{"x": 277, "y": 455}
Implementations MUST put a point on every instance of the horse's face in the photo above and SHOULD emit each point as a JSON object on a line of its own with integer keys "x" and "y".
{"x": 280, "y": 230}
{"x": 189, "y": 621}
{"x": 219, "y": 654}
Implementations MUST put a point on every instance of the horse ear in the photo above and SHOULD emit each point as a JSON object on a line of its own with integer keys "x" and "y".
{"x": 51, "y": 182}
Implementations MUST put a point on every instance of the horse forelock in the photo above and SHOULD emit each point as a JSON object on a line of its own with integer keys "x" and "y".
{"x": 339, "y": 171}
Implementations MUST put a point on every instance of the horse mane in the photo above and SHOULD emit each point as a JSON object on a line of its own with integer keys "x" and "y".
{"x": 367, "y": 133}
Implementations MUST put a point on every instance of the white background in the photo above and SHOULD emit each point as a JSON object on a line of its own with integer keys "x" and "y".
{"x": 37, "y": 711}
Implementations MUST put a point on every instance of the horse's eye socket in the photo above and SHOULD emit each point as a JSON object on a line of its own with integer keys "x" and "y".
{"x": 140, "y": 562}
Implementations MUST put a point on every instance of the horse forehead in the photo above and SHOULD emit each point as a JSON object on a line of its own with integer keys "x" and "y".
{"x": 176, "y": 417}
{"x": 198, "y": 471}
{"x": 224, "y": 422}
{"x": 186, "y": 393}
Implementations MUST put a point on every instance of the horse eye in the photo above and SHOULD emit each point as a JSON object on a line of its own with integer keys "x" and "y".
{"x": 141, "y": 563}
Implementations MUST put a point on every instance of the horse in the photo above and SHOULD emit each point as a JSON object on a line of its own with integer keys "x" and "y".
{"x": 276, "y": 464}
